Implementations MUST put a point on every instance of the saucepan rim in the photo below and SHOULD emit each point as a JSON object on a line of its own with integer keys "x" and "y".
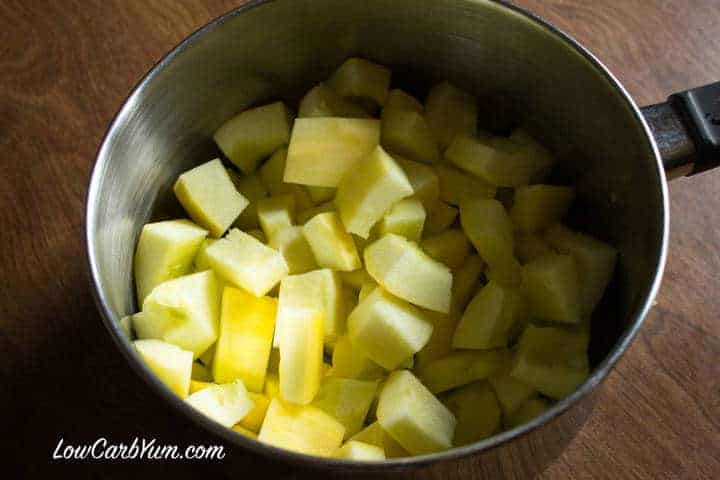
{"x": 111, "y": 319}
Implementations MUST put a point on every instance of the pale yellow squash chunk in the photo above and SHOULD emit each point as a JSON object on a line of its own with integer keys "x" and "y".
{"x": 551, "y": 285}
{"x": 401, "y": 100}
{"x": 254, "y": 419}
{"x": 413, "y": 416}
{"x": 245, "y": 262}
{"x": 304, "y": 429}
{"x": 360, "y": 78}
{"x": 356, "y": 279}
{"x": 276, "y": 213}
{"x": 423, "y": 179}
{"x": 374, "y": 434}
{"x": 252, "y": 188}
{"x": 364, "y": 452}
{"x": 488, "y": 226}
{"x": 495, "y": 160}
{"x": 552, "y": 360}
{"x": 332, "y": 246}
{"x": 439, "y": 218}
{"x": 450, "y": 111}
{"x": 227, "y": 404}
{"x": 403, "y": 269}
{"x": 465, "y": 282}
{"x": 456, "y": 186}
{"x": 272, "y": 172}
{"x": 306, "y": 215}
{"x": 387, "y": 329}
{"x": 323, "y": 150}
{"x": 301, "y": 356}
{"x": 347, "y": 400}
{"x": 323, "y": 101}
{"x": 405, "y": 132}
{"x": 510, "y": 392}
{"x": 460, "y": 368}
{"x": 489, "y": 318}
{"x": 476, "y": 410}
{"x": 349, "y": 361}
{"x": 440, "y": 343}
{"x": 209, "y": 196}
{"x": 536, "y": 207}
{"x": 184, "y": 311}
{"x": 368, "y": 190}
{"x": 165, "y": 251}
{"x": 254, "y": 134}
{"x": 450, "y": 247}
{"x": 532, "y": 408}
{"x": 318, "y": 290}
{"x": 295, "y": 249}
{"x": 247, "y": 324}
{"x": 171, "y": 364}
{"x": 540, "y": 155}
{"x": 406, "y": 218}
{"x": 595, "y": 261}
{"x": 531, "y": 246}
{"x": 366, "y": 290}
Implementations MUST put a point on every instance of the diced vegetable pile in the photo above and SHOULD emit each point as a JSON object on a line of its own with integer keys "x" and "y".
{"x": 351, "y": 287}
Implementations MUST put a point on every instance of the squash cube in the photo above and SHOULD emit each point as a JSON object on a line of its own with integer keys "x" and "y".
{"x": 460, "y": 368}
{"x": 476, "y": 410}
{"x": 170, "y": 363}
{"x": 227, "y": 404}
{"x": 360, "y": 78}
{"x": 551, "y": 285}
{"x": 406, "y": 218}
{"x": 450, "y": 247}
{"x": 295, "y": 249}
{"x": 323, "y": 101}
{"x": 354, "y": 450}
{"x": 348, "y": 361}
{"x": 347, "y": 400}
{"x": 276, "y": 213}
{"x": 457, "y": 187}
{"x": 423, "y": 179}
{"x": 450, "y": 111}
{"x": 374, "y": 434}
{"x": 439, "y": 218}
{"x": 406, "y": 133}
{"x": 536, "y": 207}
{"x": 332, "y": 246}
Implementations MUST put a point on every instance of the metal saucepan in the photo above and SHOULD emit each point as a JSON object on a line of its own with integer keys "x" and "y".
{"x": 615, "y": 152}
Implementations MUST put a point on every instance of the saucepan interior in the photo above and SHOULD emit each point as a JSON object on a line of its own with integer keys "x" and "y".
{"x": 278, "y": 49}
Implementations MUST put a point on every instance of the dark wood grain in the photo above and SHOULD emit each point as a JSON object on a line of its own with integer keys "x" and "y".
{"x": 65, "y": 67}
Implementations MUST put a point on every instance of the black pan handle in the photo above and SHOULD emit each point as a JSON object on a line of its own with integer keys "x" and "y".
{"x": 687, "y": 130}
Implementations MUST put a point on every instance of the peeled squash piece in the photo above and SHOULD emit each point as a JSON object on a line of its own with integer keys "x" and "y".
{"x": 368, "y": 190}
{"x": 374, "y": 434}
{"x": 423, "y": 179}
{"x": 450, "y": 247}
{"x": 197, "y": 385}
{"x": 551, "y": 285}
{"x": 413, "y": 416}
{"x": 165, "y": 251}
{"x": 347, "y": 400}
{"x": 349, "y": 361}
{"x": 465, "y": 281}
{"x": 440, "y": 343}
{"x": 303, "y": 429}
{"x": 301, "y": 356}
{"x": 552, "y": 360}
{"x": 356, "y": 279}
{"x": 243, "y": 347}
{"x": 227, "y": 404}
{"x": 276, "y": 213}
{"x": 496, "y": 160}
{"x": 332, "y": 246}
{"x": 387, "y": 329}
{"x": 536, "y": 207}
{"x": 400, "y": 100}
{"x": 184, "y": 311}
{"x": 476, "y": 410}
{"x": 531, "y": 246}
{"x": 489, "y": 318}
{"x": 595, "y": 261}
{"x": 323, "y": 150}
{"x": 254, "y": 134}
{"x": 360, "y": 78}
{"x": 524, "y": 413}
{"x": 488, "y": 226}
{"x": 439, "y": 218}
{"x": 252, "y": 188}
{"x": 456, "y": 186}
{"x": 406, "y": 218}
{"x": 460, "y": 368}
{"x": 323, "y": 101}
{"x": 510, "y": 392}
{"x": 272, "y": 172}
{"x": 254, "y": 418}
{"x": 403, "y": 269}
{"x": 318, "y": 290}
{"x": 450, "y": 111}
{"x": 540, "y": 155}
{"x": 306, "y": 215}
{"x": 405, "y": 132}
{"x": 243, "y": 261}
{"x": 354, "y": 450}
{"x": 295, "y": 249}
{"x": 209, "y": 196}
{"x": 170, "y": 363}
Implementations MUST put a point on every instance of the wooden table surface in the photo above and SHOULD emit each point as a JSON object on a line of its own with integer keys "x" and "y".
{"x": 66, "y": 66}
